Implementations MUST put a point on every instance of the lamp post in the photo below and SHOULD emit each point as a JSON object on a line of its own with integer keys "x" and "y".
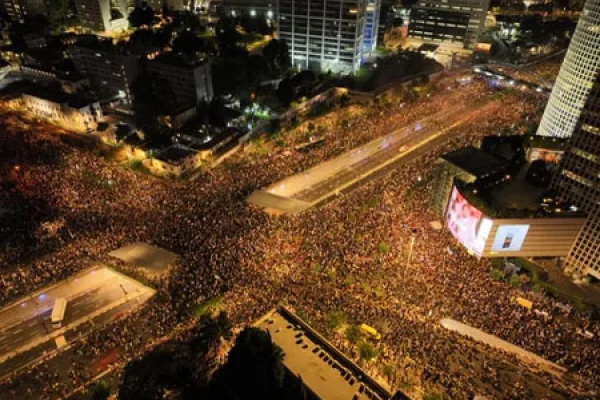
{"x": 410, "y": 250}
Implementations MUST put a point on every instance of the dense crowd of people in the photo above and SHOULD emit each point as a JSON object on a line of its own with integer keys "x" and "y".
{"x": 67, "y": 206}
{"x": 542, "y": 74}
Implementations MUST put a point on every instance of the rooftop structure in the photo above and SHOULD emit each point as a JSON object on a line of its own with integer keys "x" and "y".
{"x": 475, "y": 161}
{"x": 495, "y": 213}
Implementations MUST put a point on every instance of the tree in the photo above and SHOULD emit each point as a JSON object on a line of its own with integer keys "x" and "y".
{"x": 57, "y": 12}
{"x": 335, "y": 319}
{"x": 228, "y": 38}
{"x": 189, "y": 43}
{"x": 353, "y": 334}
{"x": 538, "y": 174}
{"x": 157, "y": 372}
{"x": 254, "y": 369}
{"x": 367, "y": 351}
{"x": 255, "y": 25}
{"x": 216, "y": 113}
{"x": 278, "y": 56}
{"x": 285, "y": 92}
{"x": 100, "y": 391}
{"x": 187, "y": 21}
{"x": 258, "y": 69}
{"x": 142, "y": 15}
{"x": 531, "y": 23}
{"x": 224, "y": 325}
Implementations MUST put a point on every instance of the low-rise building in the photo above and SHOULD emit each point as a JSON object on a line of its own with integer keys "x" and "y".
{"x": 70, "y": 82}
{"x": 190, "y": 151}
{"x": 70, "y": 111}
{"x": 493, "y": 213}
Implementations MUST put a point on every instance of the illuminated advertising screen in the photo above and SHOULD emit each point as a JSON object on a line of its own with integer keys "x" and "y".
{"x": 467, "y": 223}
{"x": 510, "y": 237}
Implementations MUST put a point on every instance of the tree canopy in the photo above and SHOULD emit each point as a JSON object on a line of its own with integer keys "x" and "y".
{"x": 142, "y": 15}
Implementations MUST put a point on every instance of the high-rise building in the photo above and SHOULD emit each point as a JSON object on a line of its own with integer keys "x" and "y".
{"x": 18, "y": 10}
{"x": 573, "y": 111}
{"x": 323, "y": 34}
{"x": 451, "y": 23}
{"x": 578, "y": 183}
{"x": 103, "y": 15}
{"x": 189, "y": 80}
{"x": 576, "y": 77}
{"x": 371, "y": 27}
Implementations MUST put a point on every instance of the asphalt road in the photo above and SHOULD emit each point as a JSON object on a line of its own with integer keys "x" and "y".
{"x": 94, "y": 297}
{"x": 326, "y": 179}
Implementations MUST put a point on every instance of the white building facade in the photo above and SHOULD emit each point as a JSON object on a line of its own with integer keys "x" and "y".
{"x": 71, "y": 112}
{"x": 576, "y": 77}
{"x": 323, "y": 35}
{"x": 452, "y": 23}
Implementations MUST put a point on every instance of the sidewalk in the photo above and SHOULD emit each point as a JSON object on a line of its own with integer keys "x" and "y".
{"x": 498, "y": 343}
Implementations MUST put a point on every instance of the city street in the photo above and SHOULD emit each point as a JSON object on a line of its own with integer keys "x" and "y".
{"x": 326, "y": 179}
{"x": 98, "y": 294}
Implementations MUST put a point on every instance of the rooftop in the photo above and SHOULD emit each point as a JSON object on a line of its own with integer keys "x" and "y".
{"x": 475, "y": 161}
{"x": 516, "y": 192}
{"x": 153, "y": 260}
{"x": 175, "y": 154}
{"x": 57, "y": 96}
{"x": 546, "y": 142}
{"x": 324, "y": 370}
{"x": 177, "y": 60}
{"x": 428, "y": 47}
{"x": 107, "y": 46}
{"x": 226, "y": 135}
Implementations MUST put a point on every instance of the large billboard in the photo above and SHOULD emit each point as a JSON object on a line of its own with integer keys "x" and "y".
{"x": 510, "y": 237}
{"x": 467, "y": 223}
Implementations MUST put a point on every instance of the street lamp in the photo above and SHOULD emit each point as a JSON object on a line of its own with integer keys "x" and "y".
{"x": 410, "y": 249}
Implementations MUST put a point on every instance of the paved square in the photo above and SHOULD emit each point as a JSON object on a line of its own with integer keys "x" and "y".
{"x": 154, "y": 260}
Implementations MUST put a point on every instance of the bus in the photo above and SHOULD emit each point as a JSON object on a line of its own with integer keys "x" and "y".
{"x": 370, "y": 332}
{"x": 58, "y": 312}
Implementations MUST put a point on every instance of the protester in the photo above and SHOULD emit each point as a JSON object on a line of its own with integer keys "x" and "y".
{"x": 78, "y": 207}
